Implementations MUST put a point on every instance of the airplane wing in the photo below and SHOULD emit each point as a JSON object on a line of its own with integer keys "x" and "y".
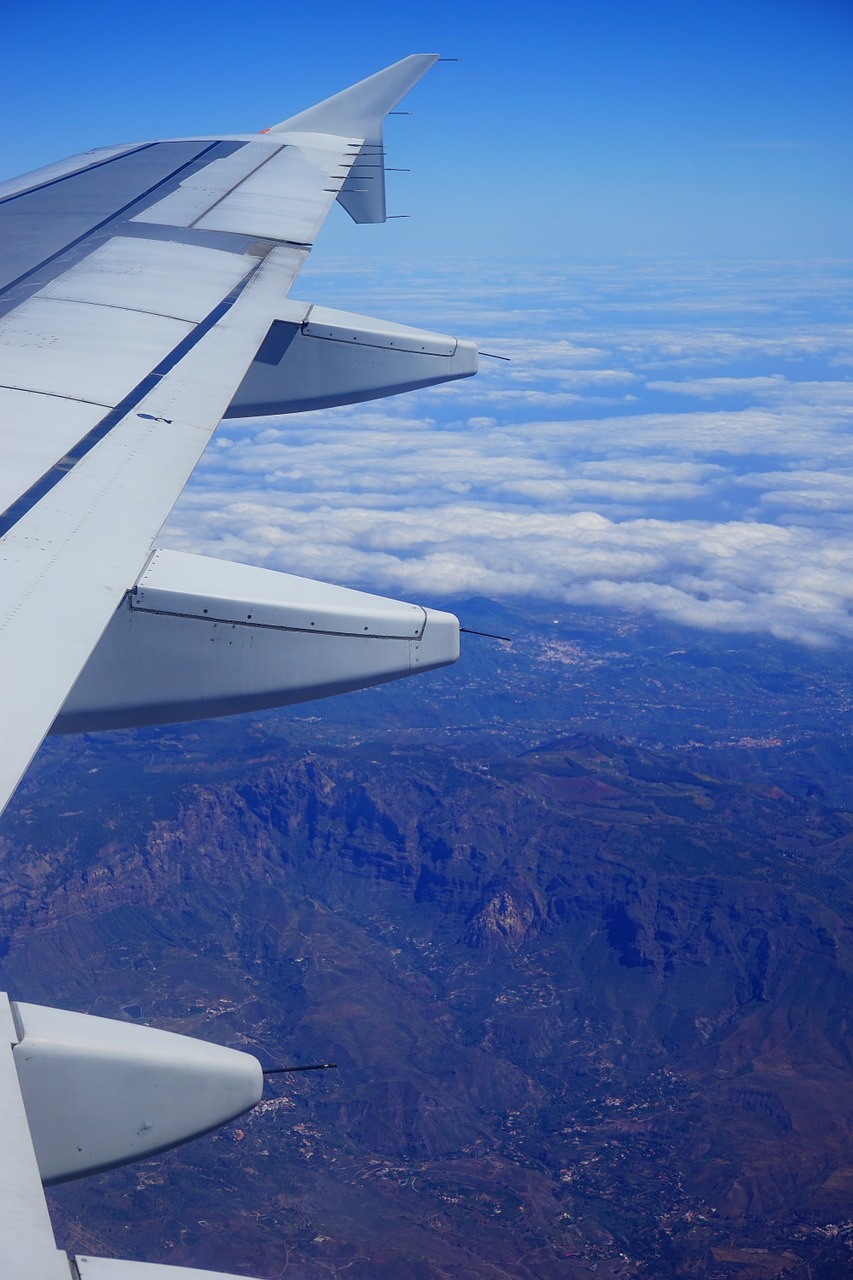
{"x": 144, "y": 295}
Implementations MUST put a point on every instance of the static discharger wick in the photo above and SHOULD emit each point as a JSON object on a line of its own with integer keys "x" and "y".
{"x": 313, "y": 1066}
{"x": 469, "y": 631}
{"x": 490, "y": 355}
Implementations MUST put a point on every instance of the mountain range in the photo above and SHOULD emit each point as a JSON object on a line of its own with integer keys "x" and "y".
{"x": 573, "y": 919}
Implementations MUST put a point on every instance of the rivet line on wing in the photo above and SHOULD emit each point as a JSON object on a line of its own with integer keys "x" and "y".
{"x": 254, "y": 624}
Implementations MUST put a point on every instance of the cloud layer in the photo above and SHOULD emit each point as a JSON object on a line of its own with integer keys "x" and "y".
{"x": 669, "y": 440}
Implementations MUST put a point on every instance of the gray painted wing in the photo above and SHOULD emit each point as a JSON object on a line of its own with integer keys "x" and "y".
{"x": 136, "y": 286}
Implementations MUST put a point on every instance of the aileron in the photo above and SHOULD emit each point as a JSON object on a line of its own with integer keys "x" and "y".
{"x": 200, "y": 190}
{"x": 285, "y": 199}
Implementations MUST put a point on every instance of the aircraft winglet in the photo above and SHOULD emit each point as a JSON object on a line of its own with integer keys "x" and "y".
{"x": 359, "y": 112}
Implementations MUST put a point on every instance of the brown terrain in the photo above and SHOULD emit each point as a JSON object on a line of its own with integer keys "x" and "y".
{"x": 589, "y": 999}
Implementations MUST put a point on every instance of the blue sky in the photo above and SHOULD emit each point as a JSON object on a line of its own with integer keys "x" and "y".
{"x": 607, "y": 128}
{"x": 646, "y": 206}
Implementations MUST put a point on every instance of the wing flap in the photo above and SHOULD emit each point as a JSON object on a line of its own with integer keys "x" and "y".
{"x": 267, "y": 190}
{"x": 136, "y": 299}
{"x": 288, "y": 197}
{"x": 160, "y": 277}
{"x": 35, "y": 432}
{"x": 202, "y": 188}
{"x": 50, "y": 173}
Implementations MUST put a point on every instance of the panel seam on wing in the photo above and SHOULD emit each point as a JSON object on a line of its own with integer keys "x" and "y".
{"x": 114, "y": 306}
{"x": 54, "y": 395}
{"x": 268, "y": 626}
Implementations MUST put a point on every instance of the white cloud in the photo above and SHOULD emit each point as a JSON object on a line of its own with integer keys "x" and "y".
{"x": 567, "y": 474}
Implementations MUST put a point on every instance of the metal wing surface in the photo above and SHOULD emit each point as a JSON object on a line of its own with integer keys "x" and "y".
{"x": 144, "y": 295}
{"x": 137, "y": 285}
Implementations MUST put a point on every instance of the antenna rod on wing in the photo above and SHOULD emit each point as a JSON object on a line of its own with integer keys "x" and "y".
{"x": 313, "y": 1066}
{"x": 358, "y": 114}
{"x": 469, "y": 631}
